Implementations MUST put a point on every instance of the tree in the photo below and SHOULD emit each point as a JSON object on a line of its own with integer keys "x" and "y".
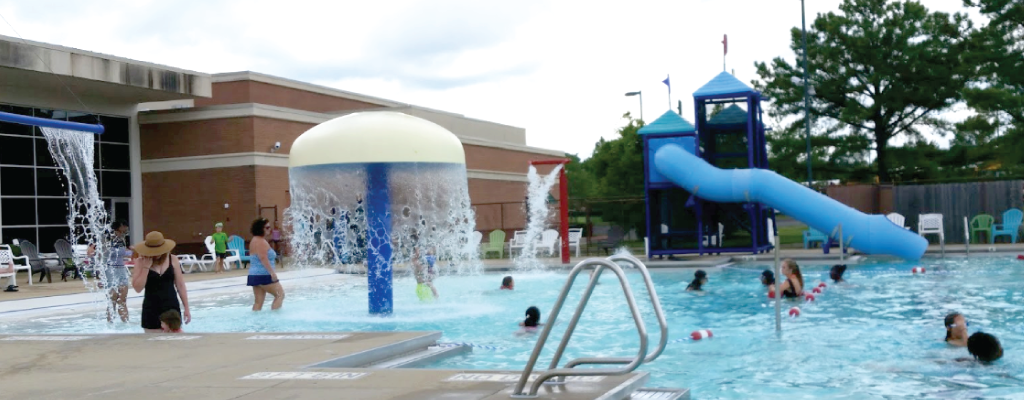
{"x": 997, "y": 95}
{"x": 617, "y": 169}
{"x": 879, "y": 69}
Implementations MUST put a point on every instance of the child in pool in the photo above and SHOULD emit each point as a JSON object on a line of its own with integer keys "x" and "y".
{"x": 532, "y": 321}
{"x": 507, "y": 283}
{"x": 425, "y": 289}
{"x": 170, "y": 321}
{"x": 699, "y": 279}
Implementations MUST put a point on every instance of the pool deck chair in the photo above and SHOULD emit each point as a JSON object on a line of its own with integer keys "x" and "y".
{"x": 1011, "y": 225}
{"x": 575, "y": 236}
{"x": 931, "y": 224}
{"x": 982, "y": 223}
{"x": 7, "y": 258}
{"x": 20, "y": 263}
{"x": 898, "y": 219}
{"x": 812, "y": 235}
{"x": 549, "y": 241}
{"x": 496, "y": 243}
{"x": 237, "y": 245}
{"x": 518, "y": 242}
{"x": 211, "y": 256}
{"x": 474, "y": 242}
{"x": 189, "y": 261}
{"x": 614, "y": 239}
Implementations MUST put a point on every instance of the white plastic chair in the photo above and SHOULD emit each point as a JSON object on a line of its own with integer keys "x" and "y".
{"x": 575, "y": 236}
{"x": 548, "y": 241}
{"x": 188, "y": 261}
{"x": 899, "y": 220}
{"x": 19, "y": 267}
{"x": 474, "y": 243}
{"x": 211, "y": 256}
{"x": 931, "y": 223}
{"x": 6, "y": 258}
{"x": 518, "y": 241}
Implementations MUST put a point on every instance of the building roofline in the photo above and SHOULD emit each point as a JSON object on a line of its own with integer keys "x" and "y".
{"x": 309, "y": 87}
{"x": 58, "y": 47}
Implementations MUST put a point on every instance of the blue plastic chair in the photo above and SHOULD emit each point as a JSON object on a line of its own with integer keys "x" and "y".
{"x": 237, "y": 244}
{"x": 1012, "y": 219}
{"x": 812, "y": 235}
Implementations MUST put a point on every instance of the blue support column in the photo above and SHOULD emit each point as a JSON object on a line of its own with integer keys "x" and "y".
{"x": 378, "y": 251}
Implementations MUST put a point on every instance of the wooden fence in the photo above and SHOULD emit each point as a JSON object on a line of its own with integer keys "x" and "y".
{"x": 956, "y": 201}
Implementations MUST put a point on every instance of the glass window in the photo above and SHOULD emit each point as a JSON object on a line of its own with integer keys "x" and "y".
{"x": 15, "y": 181}
{"x": 52, "y": 211}
{"x": 16, "y": 150}
{"x": 115, "y": 156}
{"x": 8, "y": 128}
{"x": 116, "y": 184}
{"x": 115, "y": 129}
{"x": 43, "y": 156}
{"x": 50, "y": 182}
{"x": 18, "y": 211}
{"x": 50, "y": 235}
{"x": 96, "y": 155}
{"x": 19, "y": 233}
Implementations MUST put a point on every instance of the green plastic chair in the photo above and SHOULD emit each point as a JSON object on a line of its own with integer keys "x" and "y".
{"x": 981, "y": 223}
{"x": 496, "y": 243}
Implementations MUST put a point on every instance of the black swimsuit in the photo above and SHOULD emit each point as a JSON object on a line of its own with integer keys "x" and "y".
{"x": 160, "y": 296}
{"x": 790, "y": 293}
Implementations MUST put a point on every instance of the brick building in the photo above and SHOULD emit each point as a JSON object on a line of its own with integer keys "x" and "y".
{"x": 187, "y": 148}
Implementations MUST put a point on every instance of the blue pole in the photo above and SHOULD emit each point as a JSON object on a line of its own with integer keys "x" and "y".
{"x": 378, "y": 251}
{"x": 50, "y": 123}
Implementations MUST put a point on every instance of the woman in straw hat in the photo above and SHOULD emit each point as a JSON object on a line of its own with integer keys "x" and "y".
{"x": 160, "y": 274}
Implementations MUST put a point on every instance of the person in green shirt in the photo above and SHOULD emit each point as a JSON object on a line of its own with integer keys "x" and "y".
{"x": 220, "y": 247}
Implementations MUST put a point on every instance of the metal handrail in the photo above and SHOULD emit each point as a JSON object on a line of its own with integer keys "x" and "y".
{"x": 657, "y": 312}
{"x": 967, "y": 236}
{"x": 552, "y": 373}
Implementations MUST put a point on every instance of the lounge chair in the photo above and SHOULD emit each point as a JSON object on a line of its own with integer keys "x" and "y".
{"x": 237, "y": 245}
{"x": 898, "y": 219}
{"x": 982, "y": 223}
{"x": 474, "y": 242}
{"x": 548, "y": 241}
{"x": 67, "y": 259}
{"x": 1011, "y": 225}
{"x": 812, "y": 236}
{"x": 30, "y": 251}
{"x": 613, "y": 240}
{"x": 7, "y": 258}
{"x": 931, "y": 224}
{"x": 496, "y": 243}
{"x": 211, "y": 256}
{"x": 518, "y": 242}
{"x": 575, "y": 236}
{"x": 23, "y": 266}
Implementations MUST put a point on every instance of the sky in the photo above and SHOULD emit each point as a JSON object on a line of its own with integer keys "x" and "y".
{"x": 559, "y": 69}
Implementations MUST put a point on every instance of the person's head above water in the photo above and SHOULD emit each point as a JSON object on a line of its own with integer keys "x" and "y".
{"x": 699, "y": 279}
{"x": 507, "y": 283}
{"x": 836, "y": 273}
{"x": 984, "y": 347}
{"x": 790, "y": 268}
{"x": 956, "y": 327}
{"x": 767, "y": 278}
{"x": 532, "y": 317}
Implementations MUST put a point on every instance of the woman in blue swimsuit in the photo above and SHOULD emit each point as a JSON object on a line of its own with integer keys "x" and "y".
{"x": 262, "y": 276}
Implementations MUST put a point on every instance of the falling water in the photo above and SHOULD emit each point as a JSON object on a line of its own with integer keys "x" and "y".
{"x": 537, "y": 191}
{"x": 73, "y": 152}
{"x": 327, "y": 216}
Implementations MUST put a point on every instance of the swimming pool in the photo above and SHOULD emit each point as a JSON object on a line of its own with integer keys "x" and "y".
{"x": 878, "y": 337}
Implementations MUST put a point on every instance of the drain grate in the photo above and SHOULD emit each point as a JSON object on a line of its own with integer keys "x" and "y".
{"x": 659, "y": 394}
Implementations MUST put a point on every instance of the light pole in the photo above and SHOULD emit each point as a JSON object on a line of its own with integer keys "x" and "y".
{"x": 807, "y": 96}
{"x": 638, "y": 93}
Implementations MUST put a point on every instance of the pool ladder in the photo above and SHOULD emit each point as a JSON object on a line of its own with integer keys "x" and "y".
{"x": 631, "y": 364}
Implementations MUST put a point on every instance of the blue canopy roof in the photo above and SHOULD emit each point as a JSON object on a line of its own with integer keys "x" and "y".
{"x": 724, "y": 83}
{"x": 730, "y": 115}
{"x": 669, "y": 122}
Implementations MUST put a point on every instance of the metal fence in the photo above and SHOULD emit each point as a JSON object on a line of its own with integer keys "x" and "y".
{"x": 956, "y": 201}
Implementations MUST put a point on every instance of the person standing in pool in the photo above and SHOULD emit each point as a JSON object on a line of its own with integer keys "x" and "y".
{"x": 160, "y": 274}
{"x": 793, "y": 287}
{"x": 262, "y": 276}
{"x": 425, "y": 289}
{"x": 956, "y": 329}
{"x": 116, "y": 277}
{"x": 699, "y": 279}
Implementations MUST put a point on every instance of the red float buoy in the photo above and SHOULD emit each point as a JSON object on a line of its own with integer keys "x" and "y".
{"x": 809, "y": 297}
{"x": 794, "y": 312}
{"x": 917, "y": 270}
{"x": 821, "y": 285}
{"x": 771, "y": 294}
{"x": 816, "y": 290}
{"x": 700, "y": 334}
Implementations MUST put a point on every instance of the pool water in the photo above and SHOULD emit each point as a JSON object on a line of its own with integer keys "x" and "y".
{"x": 879, "y": 336}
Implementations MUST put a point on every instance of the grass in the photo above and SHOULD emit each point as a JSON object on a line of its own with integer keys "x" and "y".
{"x": 791, "y": 235}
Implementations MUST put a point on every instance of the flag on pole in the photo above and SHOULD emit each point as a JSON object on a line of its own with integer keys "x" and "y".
{"x": 725, "y": 44}
{"x": 667, "y": 83}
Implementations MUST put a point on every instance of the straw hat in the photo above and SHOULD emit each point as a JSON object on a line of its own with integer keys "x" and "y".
{"x": 154, "y": 245}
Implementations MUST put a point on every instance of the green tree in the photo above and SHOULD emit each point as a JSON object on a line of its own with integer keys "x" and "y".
{"x": 997, "y": 95}
{"x": 879, "y": 69}
{"x": 617, "y": 170}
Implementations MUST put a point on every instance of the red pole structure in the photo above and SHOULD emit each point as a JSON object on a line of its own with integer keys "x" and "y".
{"x": 563, "y": 194}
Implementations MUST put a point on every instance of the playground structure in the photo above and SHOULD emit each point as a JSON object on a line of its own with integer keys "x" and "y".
{"x": 708, "y": 189}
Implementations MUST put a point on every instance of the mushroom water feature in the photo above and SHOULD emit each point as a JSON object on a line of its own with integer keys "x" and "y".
{"x": 376, "y": 189}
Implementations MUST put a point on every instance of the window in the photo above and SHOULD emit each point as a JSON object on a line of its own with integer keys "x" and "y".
{"x": 33, "y": 190}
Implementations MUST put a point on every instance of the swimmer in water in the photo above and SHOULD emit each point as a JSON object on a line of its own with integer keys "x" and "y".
{"x": 793, "y": 287}
{"x": 956, "y": 329}
{"x": 984, "y": 347}
{"x": 507, "y": 283}
{"x": 532, "y": 321}
{"x": 699, "y": 279}
{"x": 425, "y": 289}
{"x": 836, "y": 273}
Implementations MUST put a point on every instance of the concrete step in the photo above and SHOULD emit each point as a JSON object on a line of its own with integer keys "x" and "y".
{"x": 660, "y": 394}
{"x": 383, "y": 353}
{"x": 420, "y": 358}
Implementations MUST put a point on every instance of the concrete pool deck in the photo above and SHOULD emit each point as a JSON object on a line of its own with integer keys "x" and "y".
{"x": 249, "y": 366}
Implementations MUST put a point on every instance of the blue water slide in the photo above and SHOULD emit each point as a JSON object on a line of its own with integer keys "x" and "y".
{"x": 872, "y": 234}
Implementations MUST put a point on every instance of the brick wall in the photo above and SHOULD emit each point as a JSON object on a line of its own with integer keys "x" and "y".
{"x": 239, "y": 92}
{"x": 184, "y": 205}
{"x": 197, "y": 138}
{"x": 495, "y": 159}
